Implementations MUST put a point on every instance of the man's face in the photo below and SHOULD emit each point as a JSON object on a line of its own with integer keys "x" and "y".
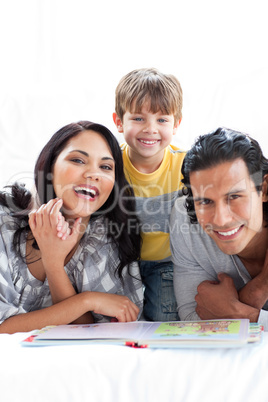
{"x": 228, "y": 207}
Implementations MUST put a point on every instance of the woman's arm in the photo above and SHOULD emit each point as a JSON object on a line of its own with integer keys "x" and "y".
{"x": 69, "y": 310}
{"x": 54, "y": 250}
{"x": 64, "y": 312}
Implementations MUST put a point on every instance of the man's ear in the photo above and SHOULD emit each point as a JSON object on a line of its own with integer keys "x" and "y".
{"x": 265, "y": 188}
{"x": 176, "y": 126}
{"x": 118, "y": 123}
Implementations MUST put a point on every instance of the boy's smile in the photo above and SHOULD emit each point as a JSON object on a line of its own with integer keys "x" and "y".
{"x": 147, "y": 135}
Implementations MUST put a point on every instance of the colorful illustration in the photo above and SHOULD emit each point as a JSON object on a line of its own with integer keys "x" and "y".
{"x": 198, "y": 328}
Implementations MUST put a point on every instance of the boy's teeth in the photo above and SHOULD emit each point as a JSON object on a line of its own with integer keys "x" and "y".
{"x": 231, "y": 232}
{"x": 149, "y": 142}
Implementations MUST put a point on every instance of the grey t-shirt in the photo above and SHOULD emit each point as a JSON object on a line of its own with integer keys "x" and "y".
{"x": 197, "y": 258}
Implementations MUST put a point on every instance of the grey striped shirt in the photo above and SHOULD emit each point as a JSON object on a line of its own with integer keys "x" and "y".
{"x": 92, "y": 268}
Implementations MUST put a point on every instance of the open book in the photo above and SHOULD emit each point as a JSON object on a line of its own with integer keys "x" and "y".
{"x": 175, "y": 334}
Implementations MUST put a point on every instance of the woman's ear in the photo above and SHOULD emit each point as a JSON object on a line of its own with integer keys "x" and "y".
{"x": 265, "y": 188}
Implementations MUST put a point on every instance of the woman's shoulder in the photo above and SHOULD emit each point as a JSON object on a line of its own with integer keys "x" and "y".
{"x": 5, "y": 214}
{"x": 96, "y": 234}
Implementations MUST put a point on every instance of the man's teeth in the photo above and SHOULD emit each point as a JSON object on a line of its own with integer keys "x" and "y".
{"x": 149, "y": 142}
{"x": 85, "y": 190}
{"x": 231, "y": 232}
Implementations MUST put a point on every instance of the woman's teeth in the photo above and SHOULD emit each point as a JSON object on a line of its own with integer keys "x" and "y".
{"x": 86, "y": 191}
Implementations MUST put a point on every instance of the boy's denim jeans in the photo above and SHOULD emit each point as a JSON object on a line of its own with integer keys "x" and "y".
{"x": 159, "y": 299}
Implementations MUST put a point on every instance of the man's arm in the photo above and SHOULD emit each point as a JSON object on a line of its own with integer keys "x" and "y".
{"x": 255, "y": 292}
{"x": 216, "y": 300}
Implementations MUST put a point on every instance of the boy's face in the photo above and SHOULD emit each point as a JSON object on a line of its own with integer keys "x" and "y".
{"x": 147, "y": 134}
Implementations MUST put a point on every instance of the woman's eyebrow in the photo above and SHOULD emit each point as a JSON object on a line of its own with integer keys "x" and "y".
{"x": 86, "y": 154}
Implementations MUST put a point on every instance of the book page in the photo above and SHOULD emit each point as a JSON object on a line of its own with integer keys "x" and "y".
{"x": 131, "y": 330}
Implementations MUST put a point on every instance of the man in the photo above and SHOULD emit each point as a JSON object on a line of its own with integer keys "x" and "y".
{"x": 219, "y": 246}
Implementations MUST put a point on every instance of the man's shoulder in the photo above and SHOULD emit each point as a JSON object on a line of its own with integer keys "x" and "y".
{"x": 182, "y": 226}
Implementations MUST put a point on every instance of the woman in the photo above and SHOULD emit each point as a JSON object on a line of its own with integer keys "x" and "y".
{"x": 68, "y": 254}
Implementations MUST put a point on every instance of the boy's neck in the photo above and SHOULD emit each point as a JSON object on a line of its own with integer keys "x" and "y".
{"x": 145, "y": 165}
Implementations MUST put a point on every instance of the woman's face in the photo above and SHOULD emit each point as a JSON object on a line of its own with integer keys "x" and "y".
{"x": 84, "y": 175}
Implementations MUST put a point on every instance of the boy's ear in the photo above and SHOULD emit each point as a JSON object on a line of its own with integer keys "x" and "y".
{"x": 265, "y": 188}
{"x": 176, "y": 126}
{"x": 118, "y": 123}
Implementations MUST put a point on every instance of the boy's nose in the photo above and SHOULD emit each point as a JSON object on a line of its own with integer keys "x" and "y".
{"x": 150, "y": 128}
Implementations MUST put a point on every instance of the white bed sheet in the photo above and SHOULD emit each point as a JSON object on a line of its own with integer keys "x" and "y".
{"x": 121, "y": 374}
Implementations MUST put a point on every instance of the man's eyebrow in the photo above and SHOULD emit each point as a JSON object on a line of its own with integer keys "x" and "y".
{"x": 198, "y": 198}
{"x": 86, "y": 154}
{"x": 234, "y": 191}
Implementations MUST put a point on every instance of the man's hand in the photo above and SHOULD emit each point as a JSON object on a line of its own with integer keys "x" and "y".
{"x": 217, "y": 300}
{"x": 255, "y": 292}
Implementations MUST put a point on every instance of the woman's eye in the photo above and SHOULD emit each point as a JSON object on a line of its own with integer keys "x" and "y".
{"x": 106, "y": 167}
{"x": 77, "y": 160}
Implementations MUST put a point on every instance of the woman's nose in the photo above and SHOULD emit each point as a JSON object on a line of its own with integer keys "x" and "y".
{"x": 92, "y": 176}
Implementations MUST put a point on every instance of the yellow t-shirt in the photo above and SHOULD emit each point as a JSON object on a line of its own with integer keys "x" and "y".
{"x": 155, "y": 194}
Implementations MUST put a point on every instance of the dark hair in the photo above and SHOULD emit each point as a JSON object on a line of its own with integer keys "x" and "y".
{"x": 118, "y": 214}
{"x": 223, "y": 145}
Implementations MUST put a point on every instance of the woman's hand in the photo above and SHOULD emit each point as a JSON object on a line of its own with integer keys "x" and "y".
{"x": 50, "y": 229}
{"x": 116, "y": 306}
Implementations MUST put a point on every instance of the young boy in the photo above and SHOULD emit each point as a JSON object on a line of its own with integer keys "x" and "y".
{"x": 148, "y": 107}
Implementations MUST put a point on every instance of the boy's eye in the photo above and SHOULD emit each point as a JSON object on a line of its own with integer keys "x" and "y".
{"x": 137, "y": 119}
{"x": 162, "y": 120}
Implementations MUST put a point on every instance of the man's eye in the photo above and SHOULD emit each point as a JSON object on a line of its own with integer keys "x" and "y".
{"x": 203, "y": 202}
{"x": 233, "y": 197}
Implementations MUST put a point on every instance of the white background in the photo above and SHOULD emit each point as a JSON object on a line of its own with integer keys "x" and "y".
{"x": 62, "y": 59}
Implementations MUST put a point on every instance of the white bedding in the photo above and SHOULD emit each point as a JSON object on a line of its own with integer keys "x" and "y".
{"x": 121, "y": 374}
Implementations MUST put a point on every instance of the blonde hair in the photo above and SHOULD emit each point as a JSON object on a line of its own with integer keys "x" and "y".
{"x": 162, "y": 91}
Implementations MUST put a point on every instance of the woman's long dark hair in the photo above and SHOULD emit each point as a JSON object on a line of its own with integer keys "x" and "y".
{"x": 119, "y": 209}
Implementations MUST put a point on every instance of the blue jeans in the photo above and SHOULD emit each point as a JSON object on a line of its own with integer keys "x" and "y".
{"x": 159, "y": 298}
